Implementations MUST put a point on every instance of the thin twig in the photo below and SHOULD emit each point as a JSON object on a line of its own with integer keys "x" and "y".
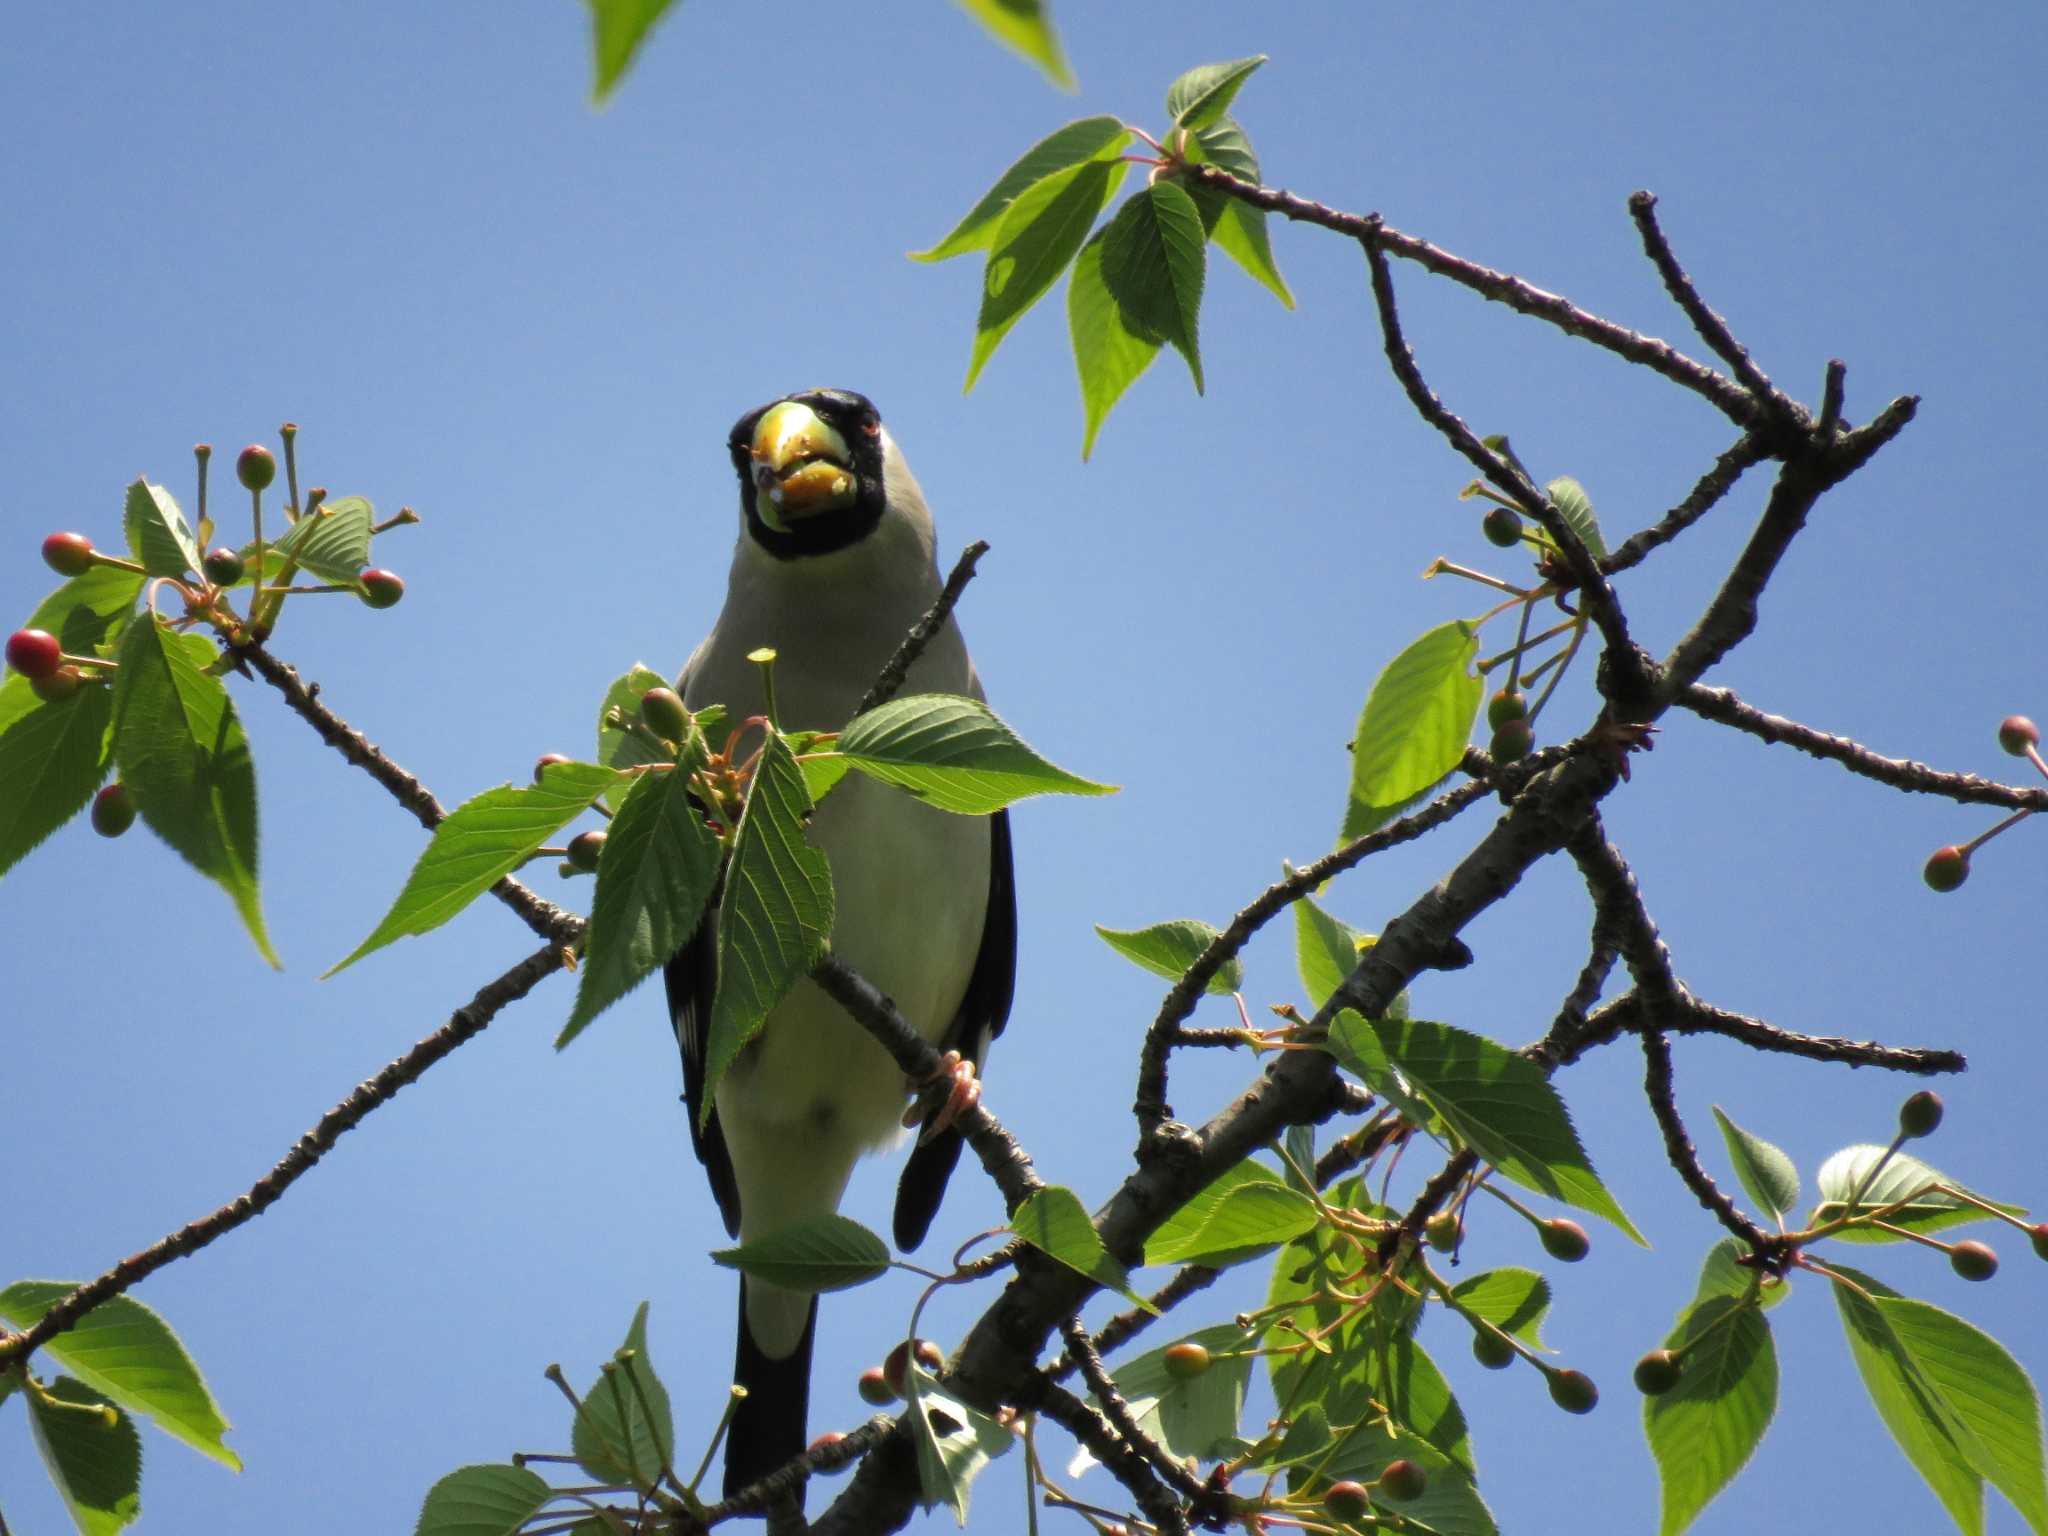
{"x": 898, "y": 668}
{"x": 1748, "y": 450}
{"x": 1123, "y": 1462}
{"x": 1678, "y": 1147}
{"x": 1081, "y": 1349}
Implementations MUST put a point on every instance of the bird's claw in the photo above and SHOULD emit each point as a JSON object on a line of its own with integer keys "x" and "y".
{"x": 945, "y": 1096}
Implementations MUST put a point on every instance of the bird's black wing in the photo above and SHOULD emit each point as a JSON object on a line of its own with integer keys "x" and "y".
{"x": 983, "y": 1012}
{"x": 692, "y": 977}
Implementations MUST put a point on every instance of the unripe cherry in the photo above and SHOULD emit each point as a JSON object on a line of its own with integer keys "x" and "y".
{"x": 1403, "y": 1480}
{"x": 34, "y": 653}
{"x": 827, "y": 1440}
{"x": 381, "y": 588}
{"x": 223, "y": 567}
{"x": 875, "y": 1389}
{"x": 1508, "y": 704}
{"x": 1347, "y": 1500}
{"x": 254, "y": 467}
{"x": 1491, "y": 1350}
{"x": 1946, "y": 868}
{"x": 585, "y": 848}
{"x": 1186, "y": 1360}
{"x": 1512, "y": 740}
{"x": 1564, "y": 1240}
{"x": 1441, "y": 1231}
{"x": 1657, "y": 1373}
{"x": 2038, "y": 1234}
{"x": 1502, "y": 527}
{"x": 1920, "y": 1115}
{"x": 113, "y": 810}
{"x": 58, "y": 686}
{"x": 1973, "y": 1261}
{"x": 68, "y": 554}
{"x": 662, "y": 710}
{"x": 2016, "y": 733}
{"x": 1573, "y": 1391}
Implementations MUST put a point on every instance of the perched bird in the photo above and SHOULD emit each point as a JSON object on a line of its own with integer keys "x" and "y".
{"x": 835, "y": 562}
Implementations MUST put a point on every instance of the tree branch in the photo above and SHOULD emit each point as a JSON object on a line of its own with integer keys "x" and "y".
{"x": 898, "y": 667}
{"x": 1748, "y": 450}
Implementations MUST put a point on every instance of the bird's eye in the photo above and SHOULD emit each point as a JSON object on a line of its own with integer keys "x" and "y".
{"x": 871, "y": 424}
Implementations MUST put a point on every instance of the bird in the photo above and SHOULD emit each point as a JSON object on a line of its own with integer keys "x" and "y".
{"x": 834, "y": 562}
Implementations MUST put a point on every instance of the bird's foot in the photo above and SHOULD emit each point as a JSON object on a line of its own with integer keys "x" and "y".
{"x": 945, "y": 1096}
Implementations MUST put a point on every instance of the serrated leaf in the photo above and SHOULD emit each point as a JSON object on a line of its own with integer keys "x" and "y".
{"x": 1450, "y": 1505}
{"x": 1191, "y": 1416}
{"x": 333, "y": 541}
{"x": 1500, "y": 1104}
{"x": 1512, "y": 1299}
{"x": 1765, "y": 1172}
{"x": 1704, "y": 1430}
{"x": 1154, "y": 262}
{"x": 52, "y": 759}
{"x": 953, "y": 752}
{"x": 1237, "y": 228}
{"x": 1247, "y": 1219}
{"x": 954, "y": 1441}
{"x": 1168, "y": 949}
{"x": 1902, "y": 1177}
{"x": 819, "y": 1253}
{"x": 1205, "y": 92}
{"x": 1040, "y": 234}
{"x": 618, "y": 28}
{"x": 158, "y": 535}
{"x": 482, "y": 1501}
{"x": 1326, "y": 951}
{"x": 1054, "y": 1221}
{"x": 776, "y": 915}
{"x": 614, "y": 1438}
{"x": 1415, "y": 725}
{"x": 659, "y": 866}
{"x": 1722, "y": 1275}
{"x": 1111, "y": 349}
{"x": 1173, "y": 1235}
{"x": 1359, "y": 1052}
{"x": 1091, "y": 138}
{"x": 125, "y": 1352}
{"x": 1025, "y": 27}
{"x": 1576, "y": 508}
{"x": 96, "y": 1466}
{"x": 483, "y": 840}
{"x": 87, "y": 615}
{"x": 620, "y": 748}
{"x": 180, "y": 749}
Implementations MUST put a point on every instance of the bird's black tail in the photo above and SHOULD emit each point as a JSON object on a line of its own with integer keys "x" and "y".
{"x": 768, "y": 1425}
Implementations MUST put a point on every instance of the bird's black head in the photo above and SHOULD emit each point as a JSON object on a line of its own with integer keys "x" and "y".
{"x": 811, "y": 472}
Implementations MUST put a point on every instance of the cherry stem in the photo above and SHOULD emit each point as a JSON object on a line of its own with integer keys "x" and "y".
{"x": 117, "y": 563}
{"x": 1443, "y": 567}
{"x": 1984, "y": 837}
{"x": 290, "y": 433}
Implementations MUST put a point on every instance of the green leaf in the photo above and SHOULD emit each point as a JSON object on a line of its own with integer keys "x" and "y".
{"x": 483, "y": 840}
{"x": 1247, "y": 1219}
{"x": 776, "y": 915}
{"x": 1325, "y": 950}
{"x": 1112, "y": 349}
{"x": 1705, "y": 1429}
{"x": 1168, "y": 949}
{"x": 96, "y": 1466}
{"x": 954, "y": 1442}
{"x": 1091, "y": 138}
{"x": 626, "y": 1435}
{"x": 659, "y": 867}
{"x": 953, "y": 752}
{"x": 1205, "y": 92}
{"x": 618, "y": 28}
{"x": 1576, "y": 507}
{"x": 619, "y": 748}
{"x": 1041, "y": 232}
{"x": 482, "y": 1501}
{"x": 1153, "y": 263}
{"x": 1902, "y": 1177}
{"x": 1416, "y": 723}
{"x": 1359, "y": 1052}
{"x": 1501, "y": 1105}
{"x": 1173, "y": 1237}
{"x": 1958, "y": 1405}
{"x": 1025, "y": 27}
{"x": 1723, "y": 1275}
{"x": 52, "y": 759}
{"x": 1190, "y": 1417}
{"x": 1450, "y": 1505}
{"x": 819, "y": 1253}
{"x": 158, "y": 535}
{"x": 1512, "y": 1299}
{"x": 1054, "y": 1221}
{"x": 1237, "y": 228}
{"x": 333, "y": 542}
{"x": 1498, "y": 443}
{"x": 125, "y": 1352}
{"x": 180, "y": 749}
{"x": 1766, "y": 1172}
{"x": 87, "y": 615}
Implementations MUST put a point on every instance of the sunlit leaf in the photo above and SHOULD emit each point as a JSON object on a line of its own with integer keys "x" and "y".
{"x": 1168, "y": 949}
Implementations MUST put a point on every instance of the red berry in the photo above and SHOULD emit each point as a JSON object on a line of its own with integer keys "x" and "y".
{"x": 1186, "y": 1360}
{"x": 1508, "y": 704}
{"x": 1657, "y": 1373}
{"x": 1403, "y": 1480}
{"x": 2016, "y": 733}
{"x": 1920, "y": 1114}
{"x": 1946, "y": 868}
{"x": 1347, "y": 1500}
{"x": 58, "y": 686}
{"x": 1491, "y": 1350}
{"x": 68, "y": 554}
{"x": 2039, "y": 1234}
{"x": 1512, "y": 739}
{"x": 381, "y": 588}
{"x": 34, "y": 653}
{"x": 894, "y": 1368}
{"x": 223, "y": 567}
{"x": 875, "y": 1388}
{"x": 662, "y": 710}
{"x": 545, "y": 761}
{"x": 1973, "y": 1261}
{"x": 113, "y": 810}
{"x": 584, "y": 850}
{"x": 1502, "y": 526}
{"x": 1573, "y": 1391}
{"x": 254, "y": 467}
{"x": 827, "y": 1440}
{"x": 1565, "y": 1240}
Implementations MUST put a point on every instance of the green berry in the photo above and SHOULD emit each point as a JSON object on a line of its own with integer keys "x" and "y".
{"x": 2016, "y": 733}
{"x": 254, "y": 467}
{"x": 584, "y": 850}
{"x": 1403, "y": 1480}
{"x": 1946, "y": 868}
{"x": 113, "y": 810}
{"x": 1441, "y": 1231}
{"x": 1920, "y": 1114}
{"x": 1491, "y": 1350}
{"x": 2038, "y": 1233}
{"x": 34, "y": 653}
{"x": 1502, "y": 526}
{"x": 875, "y": 1388}
{"x": 1512, "y": 740}
{"x": 1973, "y": 1261}
{"x": 381, "y": 588}
{"x": 1508, "y": 704}
{"x": 662, "y": 710}
{"x": 68, "y": 554}
{"x": 1185, "y": 1361}
{"x": 1347, "y": 1500}
{"x": 546, "y": 761}
{"x": 58, "y": 686}
{"x": 1564, "y": 1240}
{"x": 1657, "y": 1373}
{"x": 223, "y": 567}
{"x": 1573, "y": 1391}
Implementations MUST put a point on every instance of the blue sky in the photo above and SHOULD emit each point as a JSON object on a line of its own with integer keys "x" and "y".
{"x": 404, "y": 228}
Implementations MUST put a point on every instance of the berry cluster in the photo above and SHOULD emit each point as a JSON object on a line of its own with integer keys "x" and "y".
{"x": 1948, "y": 867}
